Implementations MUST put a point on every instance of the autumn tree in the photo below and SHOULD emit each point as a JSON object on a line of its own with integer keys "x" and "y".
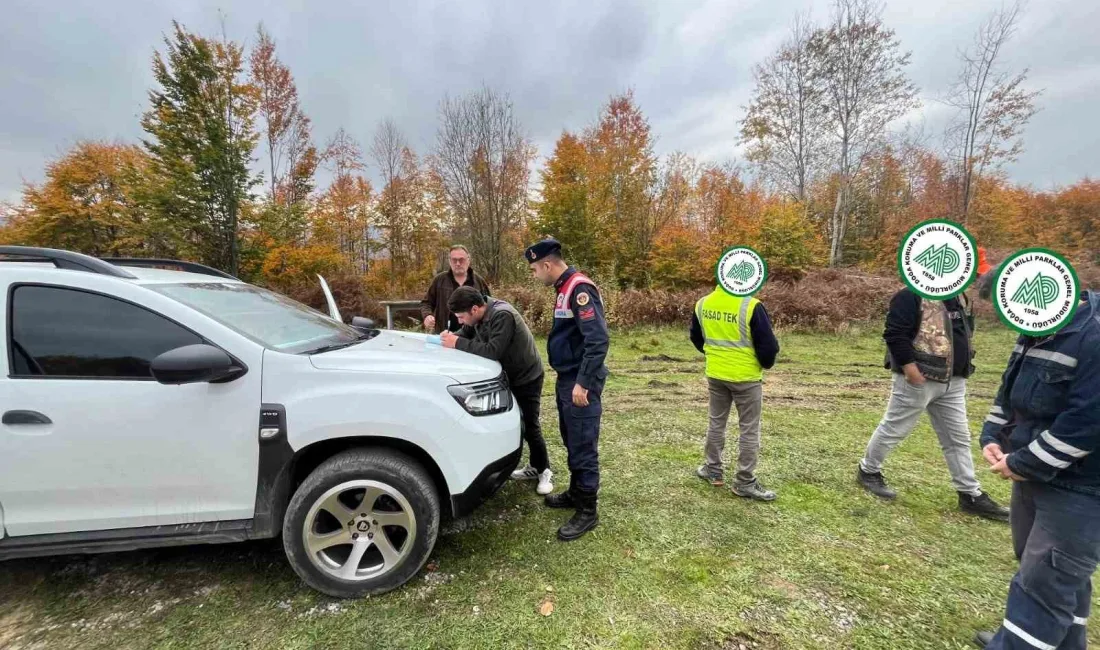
{"x": 860, "y": 68}
{"x": 720, "y": 197}
{"x": 292, "y": 158}
{"x": 1076, "y": 213}
{"x": 681, "y": 258}
{"x": 784, "y": 121}
{"x": 397, "y": 167}
{"x": 201, "y": 138}
{"x": 622, "y": 172}
{"x": 89, "y": 203}
{"x": 342, "y": 215}
{"x": 562, "y": 211}
{"x": 482, "y": 160}
{"x": 788, "y": 238}
{"x": 992, "y": 105}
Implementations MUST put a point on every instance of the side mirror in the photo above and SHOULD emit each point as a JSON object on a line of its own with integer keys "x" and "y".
{"x": 194, "y": 364}
{"x": 362, "y": 324}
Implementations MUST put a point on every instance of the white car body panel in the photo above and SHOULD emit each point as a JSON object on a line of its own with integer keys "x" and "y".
{"x": 130, "y": 453}
{"x": 368, "y": 391}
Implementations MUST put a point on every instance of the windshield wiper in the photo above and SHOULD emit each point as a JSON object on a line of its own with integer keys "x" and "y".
{"x": 338, "y": 346}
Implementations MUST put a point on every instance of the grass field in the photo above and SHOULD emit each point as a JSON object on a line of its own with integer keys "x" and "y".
{"x": 675, "y": 563}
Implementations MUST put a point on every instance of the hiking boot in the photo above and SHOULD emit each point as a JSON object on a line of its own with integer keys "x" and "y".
{"x": 582, "y": 521}
{"x": 525, "y": 474}
{"x": 754, "y": 491}
{"x": 983, "y": 639}
{"x": 875, "y": 484}
{"x": 546, "y": 482}
{"x": 560, "y": 500}
{"x": 982, "y": 506}
{"x": 714, "y": 478}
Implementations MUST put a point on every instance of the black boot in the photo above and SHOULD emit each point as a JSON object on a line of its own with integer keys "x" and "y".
{"x": 982, "y": 506}
{"x": 875, "y": 484}
{"x": 983, "y": 639}
{"x": 584, "y": 520}
{"x": 562, "y": 499}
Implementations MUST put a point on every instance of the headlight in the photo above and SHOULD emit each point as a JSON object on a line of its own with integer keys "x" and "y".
{"x": 483, "y": 397}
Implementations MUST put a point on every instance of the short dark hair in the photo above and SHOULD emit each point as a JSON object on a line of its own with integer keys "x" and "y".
{"x": 464, "y": 299}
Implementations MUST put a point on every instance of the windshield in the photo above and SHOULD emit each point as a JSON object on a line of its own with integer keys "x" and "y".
{"x": 270, "y": 319}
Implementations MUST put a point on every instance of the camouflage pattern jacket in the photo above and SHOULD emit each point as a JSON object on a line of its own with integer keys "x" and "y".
{"x": 935, "y": 335}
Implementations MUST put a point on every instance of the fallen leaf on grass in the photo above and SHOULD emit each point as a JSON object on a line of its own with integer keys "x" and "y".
{"x": 546, "y": 607}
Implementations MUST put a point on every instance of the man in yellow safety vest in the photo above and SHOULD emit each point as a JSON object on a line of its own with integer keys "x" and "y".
{"x": 736, "y": 336}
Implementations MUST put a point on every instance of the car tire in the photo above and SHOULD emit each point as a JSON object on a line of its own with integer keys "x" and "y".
{"x": 399, "y": 490}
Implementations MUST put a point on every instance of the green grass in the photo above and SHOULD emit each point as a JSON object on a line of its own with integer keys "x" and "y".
{"x": 674, "y": 564}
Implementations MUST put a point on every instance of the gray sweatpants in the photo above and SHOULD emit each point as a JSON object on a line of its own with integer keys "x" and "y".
{"x": 748, "y": 398}
{"x": 946, "y": 406}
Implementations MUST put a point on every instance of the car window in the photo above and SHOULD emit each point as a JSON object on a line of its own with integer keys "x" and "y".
{"x": 269, "y": 318}
{"x": 58, "y": 332}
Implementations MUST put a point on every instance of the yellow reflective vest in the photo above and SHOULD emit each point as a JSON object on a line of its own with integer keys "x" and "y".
{"x": 727, "y": 336}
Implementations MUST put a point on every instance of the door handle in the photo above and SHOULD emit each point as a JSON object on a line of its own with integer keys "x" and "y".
{"x": 25, "y": 417}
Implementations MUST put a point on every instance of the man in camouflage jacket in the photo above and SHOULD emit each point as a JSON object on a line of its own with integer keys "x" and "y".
{"x": 929, "y": 350}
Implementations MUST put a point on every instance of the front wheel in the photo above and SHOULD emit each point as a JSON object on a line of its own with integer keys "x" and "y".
{"x": 364, "y": 522}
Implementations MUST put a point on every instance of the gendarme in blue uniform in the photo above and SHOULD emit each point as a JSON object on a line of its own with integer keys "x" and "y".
{"x": 577, "y": 348}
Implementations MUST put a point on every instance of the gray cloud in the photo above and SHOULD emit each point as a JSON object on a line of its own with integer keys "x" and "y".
{"x": 83, "y": 72}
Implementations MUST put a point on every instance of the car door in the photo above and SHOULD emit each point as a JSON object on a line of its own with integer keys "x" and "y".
{"x": 95, "y": 443}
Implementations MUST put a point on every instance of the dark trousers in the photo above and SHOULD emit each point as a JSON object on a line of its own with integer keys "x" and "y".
{"x": 580, "y": 431}
{"x": 528, "y": 398}
{"x": 1056, "y": 535}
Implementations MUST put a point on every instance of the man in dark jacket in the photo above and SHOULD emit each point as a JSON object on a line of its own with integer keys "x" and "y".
{"x": 1043, "y": 432}
{"x": 495, "y": 330}
{"x": 929, "y": 350}
{"x": 433, "y": 308}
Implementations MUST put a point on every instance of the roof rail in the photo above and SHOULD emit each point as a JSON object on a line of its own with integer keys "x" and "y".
{"x": 64, "y": 260}
{"x": 179, "y": 265}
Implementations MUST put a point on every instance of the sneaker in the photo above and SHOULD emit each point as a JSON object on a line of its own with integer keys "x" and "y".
{"x": 982, "y": 506}
{"x": 983, "y": 639}
{"x": 875, "y": 484}
{"x": 714, "y": 478}
{"x": 754, "y": 491}
{"x": 546, "y": 482}
{"x": 525, "y": 474}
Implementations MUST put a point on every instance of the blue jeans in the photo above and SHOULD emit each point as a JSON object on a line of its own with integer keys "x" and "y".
{"x": 580, "y": 431}
{"x": 1056, "y": 535}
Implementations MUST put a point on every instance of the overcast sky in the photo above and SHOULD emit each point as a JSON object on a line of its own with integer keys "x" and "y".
{"x": 81, "y": 69}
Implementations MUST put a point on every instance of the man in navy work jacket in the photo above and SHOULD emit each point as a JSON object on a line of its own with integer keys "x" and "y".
{"x": 1043, "y": 432}
{"x": 577, "y": 348}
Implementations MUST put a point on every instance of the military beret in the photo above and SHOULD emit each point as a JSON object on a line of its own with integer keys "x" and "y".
{"x": 539, "y": 250}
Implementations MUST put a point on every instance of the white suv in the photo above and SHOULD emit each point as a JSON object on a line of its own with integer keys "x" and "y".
{"x": 146, "y": 407}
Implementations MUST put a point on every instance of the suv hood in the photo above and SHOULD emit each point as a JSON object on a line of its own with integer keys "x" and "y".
{"x": 407, "y": 353}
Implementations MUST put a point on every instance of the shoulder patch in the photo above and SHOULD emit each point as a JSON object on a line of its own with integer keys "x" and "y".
{"x": 588, "y": 313}
{"x": 583, "y": 298}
